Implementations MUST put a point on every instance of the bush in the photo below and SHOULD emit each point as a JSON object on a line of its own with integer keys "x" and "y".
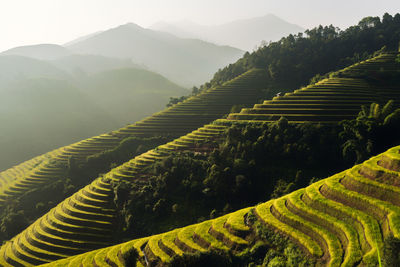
{"x": 130, "y": 257}
{"x": 391, "y": 252}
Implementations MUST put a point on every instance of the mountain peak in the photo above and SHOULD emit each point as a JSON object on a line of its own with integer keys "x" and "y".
{"x": 130, "y": 25}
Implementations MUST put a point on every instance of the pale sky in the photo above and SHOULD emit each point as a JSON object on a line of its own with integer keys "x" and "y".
{"x": 25, "y": 22}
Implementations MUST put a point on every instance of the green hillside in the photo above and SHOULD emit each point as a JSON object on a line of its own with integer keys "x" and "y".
{"x": 339, "y": 221}
{"x": 89, "y": 216}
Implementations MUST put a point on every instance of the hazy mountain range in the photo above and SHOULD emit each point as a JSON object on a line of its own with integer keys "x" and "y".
{"x": 187, "y": 62}
{"x": 244, "y": 34}
{"x": 184, "y": 52}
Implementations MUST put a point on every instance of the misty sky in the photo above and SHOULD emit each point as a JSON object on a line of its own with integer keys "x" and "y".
{"x": 24, "y": 22}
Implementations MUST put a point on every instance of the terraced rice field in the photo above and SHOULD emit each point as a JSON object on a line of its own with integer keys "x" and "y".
{"x": 175, "y": 121}
{"x": 330, "y": 100}
{"x": 194, "y": 141}
{"x": 340, "y": 221}
{"x": 9, "y": 176}
{"x": 50, "y": 166}
{"x": 85, "y": 221}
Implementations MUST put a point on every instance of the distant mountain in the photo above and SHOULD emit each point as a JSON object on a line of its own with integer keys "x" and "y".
{"x": 185, "y": 61}
{"x": 16, "y": 68}
{"x": 244, "y": 34}
{"x": 41, "y": 51}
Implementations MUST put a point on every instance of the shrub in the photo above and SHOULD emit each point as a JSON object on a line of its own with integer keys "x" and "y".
{"x": 391, "y": 252}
